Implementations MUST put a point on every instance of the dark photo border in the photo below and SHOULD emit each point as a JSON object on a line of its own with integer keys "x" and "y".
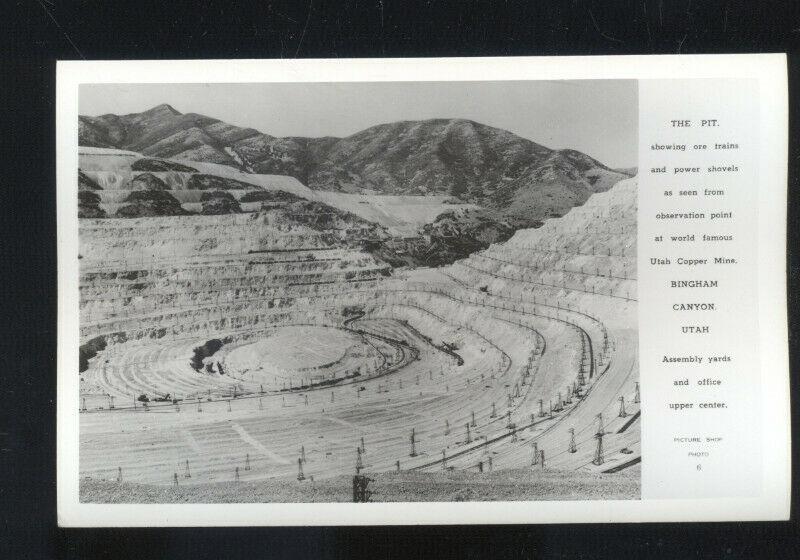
{"x": 38, "y": 33}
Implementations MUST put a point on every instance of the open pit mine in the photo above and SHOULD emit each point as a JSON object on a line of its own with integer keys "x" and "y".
{"x": 245, "y": 356}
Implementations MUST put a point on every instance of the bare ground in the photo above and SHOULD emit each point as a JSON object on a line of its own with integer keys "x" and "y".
{"x": 507, "y": 485}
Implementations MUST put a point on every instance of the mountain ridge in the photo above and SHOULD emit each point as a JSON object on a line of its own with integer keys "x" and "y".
{"x": 519, "y": 179}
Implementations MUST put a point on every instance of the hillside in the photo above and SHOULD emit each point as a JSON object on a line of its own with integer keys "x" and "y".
{"x": 521, "y": 180}
{"x": 164, "y": 132}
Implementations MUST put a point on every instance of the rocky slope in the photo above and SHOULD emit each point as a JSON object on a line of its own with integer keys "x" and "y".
{"x": 523, "y": 181}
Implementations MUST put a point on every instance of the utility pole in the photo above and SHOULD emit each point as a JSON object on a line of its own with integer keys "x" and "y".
{"x": 247, "y": 462}
{"x": 598, "y": 454}
{"x": 535, "y": 456}
{"x": 622, "y": 413}
{"x": 187, "y": 474}
{"x": 359, "y": 461}
{"x": 360, "y": 492}
{"x": 581, "y": 378}
{"x": 572, "y": 446}
{"x": 469, "y": 436}
{"x": 473, "y": 419}
{"x": 413, "y": 443}
{"x": 300, "y": 475}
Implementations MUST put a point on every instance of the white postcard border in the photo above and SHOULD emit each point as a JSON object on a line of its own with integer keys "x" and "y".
{"x": 769, "y": 70}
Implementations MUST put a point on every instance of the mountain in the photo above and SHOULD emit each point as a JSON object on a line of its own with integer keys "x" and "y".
{"x": 164, "y": 132}
{"x": 513, "y": 178}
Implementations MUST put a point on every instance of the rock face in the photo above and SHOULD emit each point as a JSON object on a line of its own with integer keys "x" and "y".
{"x": 150, "y": 164}
{"x": 91, "y": 211}
{"x": 151, "y": 203}
{"x": 270, "y": 197}
{"x": 524, "y": 181}
{"x": 202, "y": 181}
{"x": 148, "y": 182}
{"x": 89, "y": 205}
{"x": 456, "y": 234}
{"x": 453, "y": 235}
{"x": 215, "y": 203}
{"x": 88, "y": 197}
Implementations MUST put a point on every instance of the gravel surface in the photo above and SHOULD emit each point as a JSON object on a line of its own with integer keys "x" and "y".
{"x": 511, "y": 485}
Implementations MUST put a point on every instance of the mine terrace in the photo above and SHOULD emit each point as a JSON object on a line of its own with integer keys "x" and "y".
{"x": 239, "y": 328}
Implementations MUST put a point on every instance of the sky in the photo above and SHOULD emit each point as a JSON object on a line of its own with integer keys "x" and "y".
{"x": 597, "y": 117}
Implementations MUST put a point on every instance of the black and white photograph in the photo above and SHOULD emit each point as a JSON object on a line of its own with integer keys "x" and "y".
{"x": 439, "y": 280}
{"x": 358, "y": 292}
